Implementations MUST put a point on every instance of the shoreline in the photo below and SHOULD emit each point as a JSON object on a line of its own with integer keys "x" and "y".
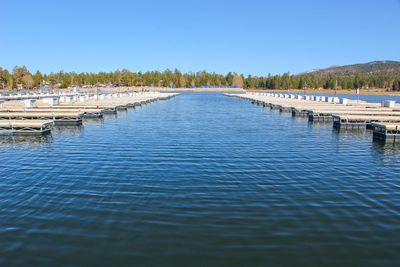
{"x": 375, "y": 91}
{"x": 330, "y": 91}
{"x": 382, "y": 92}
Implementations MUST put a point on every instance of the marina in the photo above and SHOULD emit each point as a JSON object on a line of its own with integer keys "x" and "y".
{"x": 200, "y": 133}
{"x": 22, "y": 115}
{"x": 199, "y": 162}
{"x": 341, "y": 112}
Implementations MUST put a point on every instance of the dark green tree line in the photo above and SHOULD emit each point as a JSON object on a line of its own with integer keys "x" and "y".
{"x": 21, "y": 77}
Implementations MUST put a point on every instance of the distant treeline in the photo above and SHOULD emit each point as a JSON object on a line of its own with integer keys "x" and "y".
{"x": 351, "y": 81}
{"x": 21, "y": 77}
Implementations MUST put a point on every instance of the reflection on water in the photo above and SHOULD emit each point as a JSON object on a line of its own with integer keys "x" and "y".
{"x": 386, "y": 148}
{"x": 94, "y": 121}
{"x": 110, "y": 116}
{"x": 28, "y": 140}
{"x": 74, "y": 130}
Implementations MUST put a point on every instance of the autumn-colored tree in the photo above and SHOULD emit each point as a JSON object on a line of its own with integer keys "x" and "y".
{"x": 182, "y": 81}
{"x": 19, "y": 73}
{"x": 27, "y": 81}
{"x": 237, "y": 81}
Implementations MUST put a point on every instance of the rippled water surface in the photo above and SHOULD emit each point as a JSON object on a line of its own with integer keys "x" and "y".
{"x": 199, "y": 180}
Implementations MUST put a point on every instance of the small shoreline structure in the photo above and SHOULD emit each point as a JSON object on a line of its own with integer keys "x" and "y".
{"x": 382, "y": 118}
{"x": 36, "y": 114}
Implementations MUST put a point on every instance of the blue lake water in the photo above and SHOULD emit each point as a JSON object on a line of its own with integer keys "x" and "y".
{"x": 199, "y": 180}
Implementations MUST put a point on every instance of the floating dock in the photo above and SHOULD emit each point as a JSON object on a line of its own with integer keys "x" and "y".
{"x": 343, "y": 113}
{"x": 386, "y": 132}
{"x": 87, "y": 113}
{"x": 327, "y": 111}
{"x": 327, "y": 115}
{"x": 82, "y": 107}
{"x": 32, "y": 96}
{"x": 59, "y": 118}
{"x": 23, "y": 114}
{"x": 25, "y": 127}
{"x": 361, "y": 121}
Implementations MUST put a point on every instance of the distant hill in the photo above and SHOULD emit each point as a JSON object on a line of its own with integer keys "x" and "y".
{"x": 373, "y": 68}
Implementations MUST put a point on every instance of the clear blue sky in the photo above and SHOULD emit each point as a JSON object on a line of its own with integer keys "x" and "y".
{"x": 251, "y": 36}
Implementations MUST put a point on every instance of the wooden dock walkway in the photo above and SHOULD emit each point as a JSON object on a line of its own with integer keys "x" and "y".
{"x": 87, "y": 113}
{"x": 105, "y": 109}
{"x": 25, "y": 127}
{"x": 59, "y": 118}
{"x": 32, "y": 96}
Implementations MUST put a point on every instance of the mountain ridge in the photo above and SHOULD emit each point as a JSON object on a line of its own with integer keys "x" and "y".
{"x": 380, "y": 67}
